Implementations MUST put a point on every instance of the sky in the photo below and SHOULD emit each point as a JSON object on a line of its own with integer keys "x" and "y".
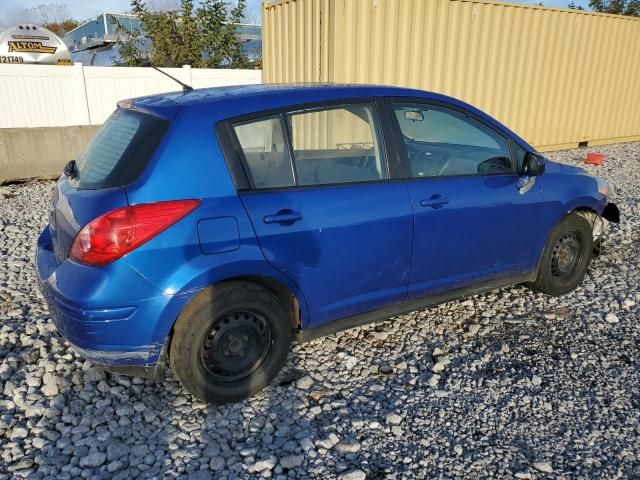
{"x": 13, "y": 11}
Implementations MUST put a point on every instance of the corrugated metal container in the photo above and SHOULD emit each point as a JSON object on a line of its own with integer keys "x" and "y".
{"x": 556, "y": 77}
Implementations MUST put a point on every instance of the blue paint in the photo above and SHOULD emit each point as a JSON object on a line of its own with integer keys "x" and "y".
{"x": 343, "y": 249}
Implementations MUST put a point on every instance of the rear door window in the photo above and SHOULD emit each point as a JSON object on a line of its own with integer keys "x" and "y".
{"x": 320, "y": 146}
{"x": 337, "y": 145}
{"x": 120, "y": 151}
{"x": 265, "y": 152}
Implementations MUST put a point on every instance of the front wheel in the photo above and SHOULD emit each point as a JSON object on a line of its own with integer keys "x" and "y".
{"x": 230, "y": 342}
{"x": 566, "y": 256}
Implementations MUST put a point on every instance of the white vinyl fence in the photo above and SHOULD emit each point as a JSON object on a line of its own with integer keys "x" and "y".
{"x": 62, "y": 96}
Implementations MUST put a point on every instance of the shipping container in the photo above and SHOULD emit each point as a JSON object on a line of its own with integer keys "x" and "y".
{"x": 557, "y": 77}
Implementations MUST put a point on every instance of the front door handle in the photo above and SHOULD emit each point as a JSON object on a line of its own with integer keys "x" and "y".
{"x": 284, "y": 217}
{"x": 436, "y": 201}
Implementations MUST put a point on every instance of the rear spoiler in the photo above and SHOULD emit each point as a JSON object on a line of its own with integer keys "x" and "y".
{"x": 160, "y": 107}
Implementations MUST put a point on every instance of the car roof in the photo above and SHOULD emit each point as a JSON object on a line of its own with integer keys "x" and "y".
{"x": 287, "y": 93}
{"x": 238, "y": 100}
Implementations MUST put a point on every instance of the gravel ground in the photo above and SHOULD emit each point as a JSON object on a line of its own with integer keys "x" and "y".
{"x": 502, "y": 384}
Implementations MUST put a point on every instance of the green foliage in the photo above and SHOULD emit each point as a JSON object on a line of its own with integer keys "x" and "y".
{"x": 573, "y": 6}
{"x": 618, "y": 7}
{"x": 203, "y": 37}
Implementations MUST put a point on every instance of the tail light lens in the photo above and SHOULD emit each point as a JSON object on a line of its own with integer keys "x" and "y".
{"x": 118, "y": 232}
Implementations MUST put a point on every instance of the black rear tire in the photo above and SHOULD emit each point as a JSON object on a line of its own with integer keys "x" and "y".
{"x": 230, "y": 342}
{"x": 566, "y": 256}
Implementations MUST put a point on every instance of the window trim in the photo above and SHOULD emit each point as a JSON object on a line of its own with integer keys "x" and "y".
{"x": 239, "y": 169}
{"x": 376, "y": 131}
{"x": 235, "y": 165}
{"x": 243, "y": 159}
{"x": 402, "y": 150}
{"x": 289, "y": 146}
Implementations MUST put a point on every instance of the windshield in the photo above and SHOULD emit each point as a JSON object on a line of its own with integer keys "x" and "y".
{"x": 120, "y": 151}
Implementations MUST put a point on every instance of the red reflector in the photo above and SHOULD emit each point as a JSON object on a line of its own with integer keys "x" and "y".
{"x": 118, "y": 232}
{"x": 595, "y": 158}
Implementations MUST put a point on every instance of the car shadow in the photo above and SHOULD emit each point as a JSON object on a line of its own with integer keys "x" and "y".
{"x": 314, "y": 420}
{"x": 371, "y": 399}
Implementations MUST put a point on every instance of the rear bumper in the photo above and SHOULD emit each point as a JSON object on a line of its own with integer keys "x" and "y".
{"x": 121, "y": 338}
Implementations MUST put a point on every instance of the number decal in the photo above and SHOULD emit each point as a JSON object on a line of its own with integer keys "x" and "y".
{"x": 8, "y": 59}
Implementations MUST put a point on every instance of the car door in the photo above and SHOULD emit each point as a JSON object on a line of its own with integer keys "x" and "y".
{"x": 324, "y": 208}
{"x": 472, "y": 221}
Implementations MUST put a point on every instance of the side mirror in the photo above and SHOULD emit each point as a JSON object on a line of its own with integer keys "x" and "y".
{"x": 533, "y": 164}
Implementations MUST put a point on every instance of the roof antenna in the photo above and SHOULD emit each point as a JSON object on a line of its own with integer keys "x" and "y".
{"x": 185, "y": 88}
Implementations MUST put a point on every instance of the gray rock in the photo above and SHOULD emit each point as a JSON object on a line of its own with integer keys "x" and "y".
{"x": 543, "y": 467}
{"x": 265, "y": 464}
{"x": 304, "y": 383}
{"x": 217, "y": 464}
{"x": 611, "y": 318}
{"x": 5, "y": 371}
{"x": 34, "y": 411}
{"x": 94, "y": 374}
{"x": 292, "y": 461}
{"x": 33, "y": 381}
{"x": 49, "y": 389}
{"x": 22, "y": 464}
{"x": 353, "y": 475}
{"x": 115, "y": 466}
{"x": 306, "y": 444}
{"x": 139, "y": 450}
{"x": 117, "y": 450}
{"x": 348, "y": 447}
{"x": 393, "y": 419}
{"x": 92, "y": 460}
{"x": 438, "y": 366}
{"x": 19, "y": 433}
{"x": 328, "y": 442}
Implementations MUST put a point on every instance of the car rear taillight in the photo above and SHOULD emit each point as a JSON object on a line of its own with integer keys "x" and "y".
{"x": 118, "y": 232}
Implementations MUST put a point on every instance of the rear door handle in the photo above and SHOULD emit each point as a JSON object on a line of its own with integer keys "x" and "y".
{"x": 436, "y": 201}
{"x": 284, "y": 217}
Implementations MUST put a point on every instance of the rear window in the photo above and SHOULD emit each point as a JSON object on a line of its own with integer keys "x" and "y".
{"x": 120, "y": 151}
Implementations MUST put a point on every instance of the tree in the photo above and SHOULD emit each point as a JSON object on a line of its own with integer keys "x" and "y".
{"x": 619, "y": 7}
{"x": 573, "y": 6}
{"x": 54, "y": 17}
{"x": 205, "y": 36}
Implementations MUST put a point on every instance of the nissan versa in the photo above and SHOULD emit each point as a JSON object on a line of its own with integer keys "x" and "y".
{"x": 211, "y": 228}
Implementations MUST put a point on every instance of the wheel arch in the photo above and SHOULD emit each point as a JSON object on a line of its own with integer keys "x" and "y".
{"x": 284, "y": 294}
{"x": 584, "y": 209}
{"x": 290, "y": 296}
{"x": 584, "y": 203}
{"x": 589, "y": 213}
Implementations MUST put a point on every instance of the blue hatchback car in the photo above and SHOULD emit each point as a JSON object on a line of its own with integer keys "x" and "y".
{"x": 213, "y": 228}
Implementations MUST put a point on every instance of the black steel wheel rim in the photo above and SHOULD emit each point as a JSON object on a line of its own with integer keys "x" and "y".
{"x": 236, "y": 345}
{"x": 567, "y": 254}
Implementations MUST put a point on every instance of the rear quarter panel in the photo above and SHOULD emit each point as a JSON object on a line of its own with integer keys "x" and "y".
{"x": 190, "y": 164}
